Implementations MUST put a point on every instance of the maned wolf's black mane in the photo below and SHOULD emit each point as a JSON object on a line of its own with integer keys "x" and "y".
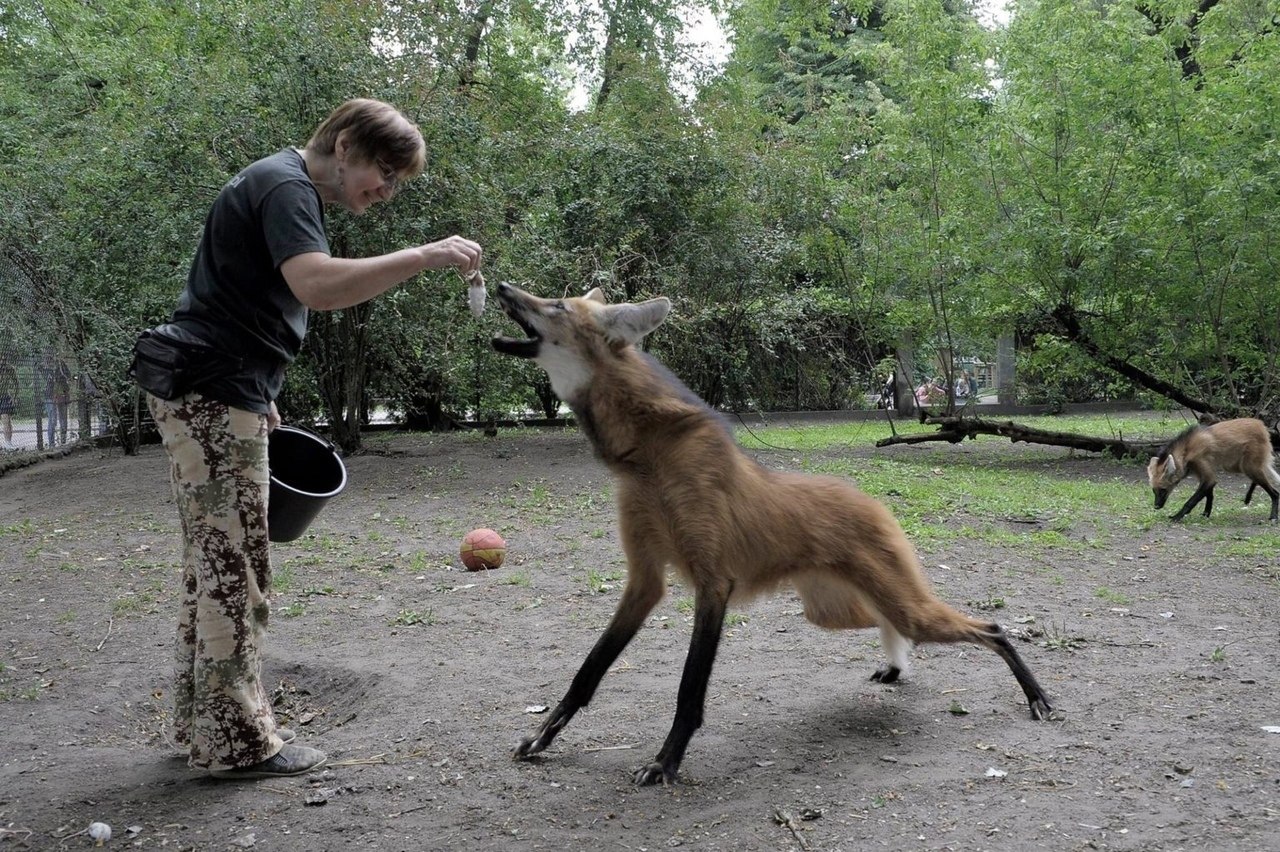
{"x": 682, "y": 390}
{"x": 1181, "y": 437}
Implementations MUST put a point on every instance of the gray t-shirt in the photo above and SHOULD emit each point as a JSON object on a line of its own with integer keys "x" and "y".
{"x": 236, "y": 298}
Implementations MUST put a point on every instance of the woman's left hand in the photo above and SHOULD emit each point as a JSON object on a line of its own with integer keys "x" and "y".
{"x": 273, "y": 416}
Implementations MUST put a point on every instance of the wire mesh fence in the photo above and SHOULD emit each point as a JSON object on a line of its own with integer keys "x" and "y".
{"x": 46, "y": 402}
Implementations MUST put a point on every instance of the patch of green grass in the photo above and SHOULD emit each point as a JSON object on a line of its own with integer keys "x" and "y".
{"x": 1263, "y": 545}
{"x": 66, "y": 617}
{"x": 536, "y": 496}
{"x": 330, "y": 545}
{"x": 735, "y": 619}
{"x": 412, "y": 617}
{"x": 517, "y": 578}
{"x": 588, "y": 503}
{"x": 136, "y": 601}
{"x": 282, "y": 578}
{"x": 1111, "y": 596}
{"x": 22, "y": 528}
{"x": 1055, "y": 637}
{"x": 418, "y": 562}
{"x": 295, "y": 609}
{"x": 1035, "y": 499}
{"x": 991, "y": 500}
{"x": 684, "y": 605}
{"x": 599, "y": 582}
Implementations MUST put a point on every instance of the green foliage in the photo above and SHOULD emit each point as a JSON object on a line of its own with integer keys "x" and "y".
{"x": 1053, "y": 372}
{"x": 862, "y": 182}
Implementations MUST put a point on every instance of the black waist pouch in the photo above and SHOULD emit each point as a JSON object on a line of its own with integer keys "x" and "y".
{"x": 168, "y": 362}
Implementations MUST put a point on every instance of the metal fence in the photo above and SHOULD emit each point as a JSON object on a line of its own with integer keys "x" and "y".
{"x": 46, "y": 402}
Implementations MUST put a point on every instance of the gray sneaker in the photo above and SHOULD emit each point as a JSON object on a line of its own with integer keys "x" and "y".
{"x": 290, "y": 760}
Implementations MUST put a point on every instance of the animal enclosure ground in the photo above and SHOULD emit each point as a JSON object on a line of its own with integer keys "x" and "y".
{"x": 1156, "y": 643}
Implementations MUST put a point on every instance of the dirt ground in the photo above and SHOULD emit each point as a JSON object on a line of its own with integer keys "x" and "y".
{"x": 418, "y": 678}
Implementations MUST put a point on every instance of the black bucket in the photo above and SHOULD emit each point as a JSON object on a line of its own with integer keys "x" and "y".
{"x": 306, "y": 472}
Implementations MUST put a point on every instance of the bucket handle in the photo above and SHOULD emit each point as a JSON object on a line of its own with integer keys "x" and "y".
{"x": 333, "y": 448}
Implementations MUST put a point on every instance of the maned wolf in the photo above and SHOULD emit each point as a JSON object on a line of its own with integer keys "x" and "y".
{"x": 1237, "y": 446}
{"x": 689, "y": 498}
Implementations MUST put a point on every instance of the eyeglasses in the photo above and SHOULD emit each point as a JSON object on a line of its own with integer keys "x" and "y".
{"x": 390, "y": 177}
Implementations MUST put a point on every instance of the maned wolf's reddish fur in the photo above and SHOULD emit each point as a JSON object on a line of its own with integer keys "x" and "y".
{"x": 689, "y": 498}
{"x": 1237, "y": 446}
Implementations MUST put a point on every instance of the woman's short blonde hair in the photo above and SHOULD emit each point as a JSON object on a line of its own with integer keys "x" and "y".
{"x": 377, "y": 131}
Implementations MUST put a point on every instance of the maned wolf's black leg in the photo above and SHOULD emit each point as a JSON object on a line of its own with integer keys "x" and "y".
{"x": 1035, "y": 695}
{"x": 633, "y": 609}
{"x": 1275, "y": 502}
{"x": 1248, "y": 495}
{"x": 1204, "y": 491}
{"x": 707, "y": 624}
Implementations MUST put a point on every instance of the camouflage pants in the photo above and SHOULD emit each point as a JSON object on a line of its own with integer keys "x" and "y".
{"x": 218, "y": 459}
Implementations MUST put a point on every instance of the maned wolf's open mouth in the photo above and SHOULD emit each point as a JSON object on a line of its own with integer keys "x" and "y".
{"x": 526, "y": 347}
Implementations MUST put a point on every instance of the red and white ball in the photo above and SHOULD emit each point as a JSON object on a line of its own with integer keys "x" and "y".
{"x": 482, "y": 548}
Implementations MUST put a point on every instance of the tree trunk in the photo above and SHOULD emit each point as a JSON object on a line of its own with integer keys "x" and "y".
{"x": 956, "y": 429}
{"x": 1006, "y": 370}
{"x": 338, "y": 342}
{"x": 904, "y": 376}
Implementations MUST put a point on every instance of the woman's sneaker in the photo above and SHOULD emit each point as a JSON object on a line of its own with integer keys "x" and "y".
{"x": 290, "y": 760}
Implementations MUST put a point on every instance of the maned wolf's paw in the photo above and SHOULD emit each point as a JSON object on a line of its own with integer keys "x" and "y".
{"x": 886, "y": 674}
{"x": 652, "y": 774}
{"x": 528, "y": 747}
{"x": 1040, "y": 709}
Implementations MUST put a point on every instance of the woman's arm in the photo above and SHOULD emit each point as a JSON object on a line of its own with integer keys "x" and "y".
{"x": 325, "y": 283}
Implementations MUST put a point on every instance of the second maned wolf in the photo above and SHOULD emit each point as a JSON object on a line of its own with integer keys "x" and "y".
{"x": 689, "y": 498}
{"x": 1242, "y": 445}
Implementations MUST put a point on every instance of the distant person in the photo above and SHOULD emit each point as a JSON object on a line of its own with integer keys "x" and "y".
{"x": 888, "y": 393}
{"x": 56, "y": 378}
{"x": 930, "y": 392}
{"x": 971, "y": 382}
{"x": 962, "y": 386}
{"x": 9, "y": 391}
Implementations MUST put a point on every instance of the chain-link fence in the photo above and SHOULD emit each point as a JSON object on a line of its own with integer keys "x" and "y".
{"x": 46, "y": 401}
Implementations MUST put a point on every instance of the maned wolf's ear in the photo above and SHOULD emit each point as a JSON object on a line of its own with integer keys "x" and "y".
{"x": 1170, "y": 466}
{"x": 596, "y": 295}
{"x": 628, "y": 323}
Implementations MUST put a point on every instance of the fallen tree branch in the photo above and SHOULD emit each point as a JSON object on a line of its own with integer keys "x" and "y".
{"x": 955, "y": 429}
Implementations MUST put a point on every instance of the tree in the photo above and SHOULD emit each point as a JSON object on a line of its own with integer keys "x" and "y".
{"x": 1135, "y": 218}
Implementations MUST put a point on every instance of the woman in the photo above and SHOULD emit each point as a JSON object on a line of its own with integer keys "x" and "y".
{"x": 213, "y": 374}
